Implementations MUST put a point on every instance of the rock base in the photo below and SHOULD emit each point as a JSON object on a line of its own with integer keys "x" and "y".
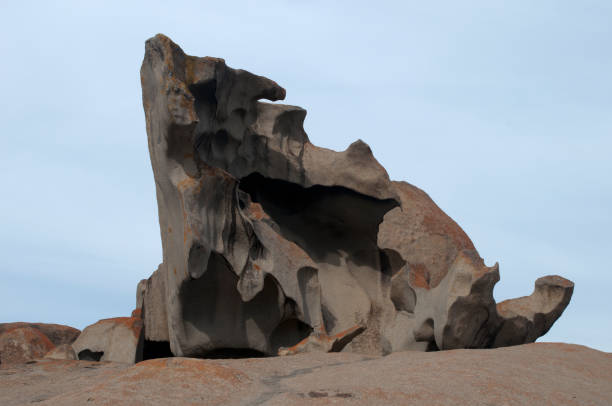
{"x": 531, "y": 374}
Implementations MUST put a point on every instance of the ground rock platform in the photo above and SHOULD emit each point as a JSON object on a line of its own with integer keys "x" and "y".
{"x": 530, "y": 374}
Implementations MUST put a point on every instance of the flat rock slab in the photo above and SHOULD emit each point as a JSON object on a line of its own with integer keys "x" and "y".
{"x": 531, "y": 374}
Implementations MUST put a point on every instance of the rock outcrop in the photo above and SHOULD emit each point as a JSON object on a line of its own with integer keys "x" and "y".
{"x": 273, "y": 245}
{"x": 24, "y": 342}
{"x": 58, "y": 334}
{"x": 63, "y": 351}
{"x": 119, "y": 339}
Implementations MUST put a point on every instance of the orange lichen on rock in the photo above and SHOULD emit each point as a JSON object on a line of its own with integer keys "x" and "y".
{"x": 419, "y": 276}
{"x": 23, "y": 344}
{"x": 132, "y": 323}
{"x": 257, "y": 212}
{"x": 322, "y": 342}
{"x": 57, "y": 333}
{"x": 202, "y": 369}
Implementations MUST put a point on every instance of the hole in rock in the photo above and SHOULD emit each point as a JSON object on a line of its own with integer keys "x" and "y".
{"x": 337, "y": 227}
{"x": 391, "y": 261}
{"x": 325, "y": 221}
{"x": 205, "y": 92}
{"x": 432, "y": 346}
{"x": 289, "y": 333}
{"x": 234, "y": 353}
{"x": 156, "y": 349}
{"x": 426, "y": 333}
{"x": 87, "y": 355}
{"x": 216, "y": 316}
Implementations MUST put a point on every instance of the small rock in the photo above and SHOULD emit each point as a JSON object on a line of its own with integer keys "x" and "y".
{"x": 64, "y": 351}
{"x": 119, "y": 339}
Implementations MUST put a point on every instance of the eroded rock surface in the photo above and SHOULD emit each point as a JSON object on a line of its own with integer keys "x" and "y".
{"x": 118, "y": 339}
{"x": 271, "y": 244}
{"x": 63, "y": 351}
{"x": 24, "y": 342}
{"x": 58, "y": 333}
{"x": 531, "y": 374}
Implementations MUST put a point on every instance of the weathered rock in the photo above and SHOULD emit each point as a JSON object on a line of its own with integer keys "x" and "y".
{"x": 57, "y": 333}
{"x": 529, "y": 317}
{"x": 323, "y": 342}
{"x": 271, "y": 243}
{"x": 23, "y": 344}
{"x": 531, "y": 374}
{"x": 63, "y": 351}
{"x": 119, "y": 339}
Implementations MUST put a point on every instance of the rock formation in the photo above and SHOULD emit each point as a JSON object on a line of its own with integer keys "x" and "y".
{"x": 64, "y": 352}
{"x": 273, "y": 245}
{"x": 119, "y": 339}
{"x": 23, "y": 342}
{"x": 58, "y": 334}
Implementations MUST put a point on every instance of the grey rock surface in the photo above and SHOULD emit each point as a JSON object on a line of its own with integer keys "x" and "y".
{"x": 119, "y": 339}
{"x": 273, "y": 245}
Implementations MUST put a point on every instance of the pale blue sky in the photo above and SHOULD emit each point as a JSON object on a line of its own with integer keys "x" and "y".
{"x": 500, "y": 110}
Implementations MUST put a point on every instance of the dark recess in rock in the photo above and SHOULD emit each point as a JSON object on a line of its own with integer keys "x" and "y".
{"x": 117, "y": 339}
{"x": 322, "y": 220}
{"x": 234, "y": 353}
{"x": 87, "y": 355}
{"x": 156, "y": 349}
